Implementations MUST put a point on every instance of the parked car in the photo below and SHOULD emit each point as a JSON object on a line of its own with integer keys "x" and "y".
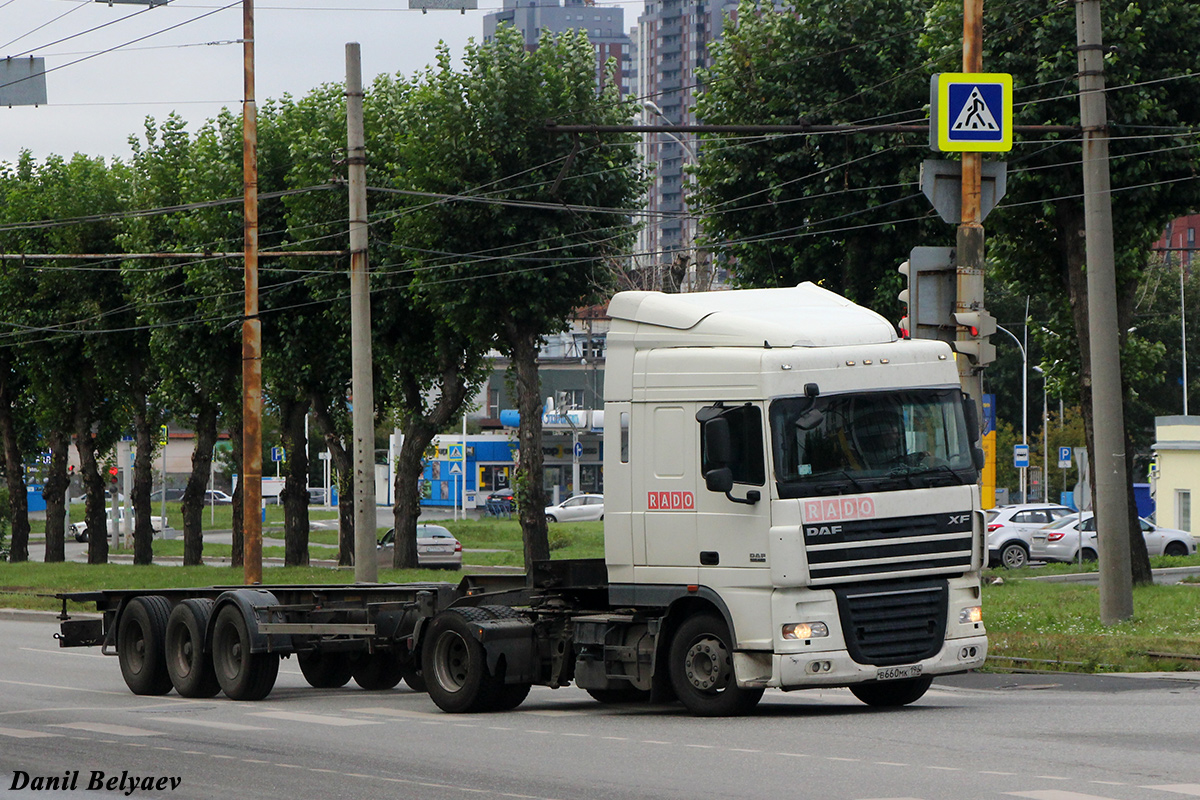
{"x": 1010, "y": 530}
{"x": 217, "y": 498}
{"x": 580, "y": 508}
{"x": 436, "y": 547}
{"x": 80, "y": 529}
{"x": 316, "y": 496}
{"x": 1061, "y": 540}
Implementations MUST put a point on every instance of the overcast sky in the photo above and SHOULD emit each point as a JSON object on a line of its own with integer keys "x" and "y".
{"x": 190, "y": 60}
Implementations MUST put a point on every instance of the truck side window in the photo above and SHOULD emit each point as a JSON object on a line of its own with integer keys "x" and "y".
{"x": 746, "y": 457}
{"x": 624, "y": 437}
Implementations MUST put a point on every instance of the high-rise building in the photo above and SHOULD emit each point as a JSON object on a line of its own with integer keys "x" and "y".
{"x": 672, "y": 44}
{"x": 604, "y": 26}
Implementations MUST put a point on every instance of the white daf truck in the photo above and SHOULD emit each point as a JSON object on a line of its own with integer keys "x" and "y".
{"x": 791, "y": 502}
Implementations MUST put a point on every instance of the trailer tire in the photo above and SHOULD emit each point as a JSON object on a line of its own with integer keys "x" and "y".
{"x": 891, "y": 694}
{"x": 243, "y": 675}
{"x": 141, "y": 639}
{"x": 326, "y": 670}
{"x": 454, "y": 664}
{"x": 376, "y": 672}
{"x": 189, "y": 666}
{"x": 415, "y": 680}
{"x": 701, "y": 668}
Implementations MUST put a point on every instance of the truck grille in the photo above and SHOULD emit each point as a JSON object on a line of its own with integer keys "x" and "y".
{"x": 930, "y": 544}
{"x": 894, "y": 623}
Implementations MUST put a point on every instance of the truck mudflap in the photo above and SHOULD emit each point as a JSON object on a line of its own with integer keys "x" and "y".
{"x": 512, "y": 639}
{"x": 838, "y": 668}
{"x": 255, "y": 605}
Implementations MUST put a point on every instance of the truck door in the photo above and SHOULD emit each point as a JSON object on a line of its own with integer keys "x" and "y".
{"x": 732, "y": 504}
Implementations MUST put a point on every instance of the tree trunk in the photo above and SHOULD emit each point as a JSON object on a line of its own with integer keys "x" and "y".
{"x": 55, "y": 494}
{"x": 95, "y": 514}
{"x": 342, "y": 465}
{"x": 192, "y": 506}
{"x": 14, "y": 468}
{"x": 238, "y": 556}
{"x": 407, "y": 508}
{"x": 1070, "y": 222}
{"x": 295, "y": 485}
{"x": 531, "y": 495}
{"x": 144, "y": 430}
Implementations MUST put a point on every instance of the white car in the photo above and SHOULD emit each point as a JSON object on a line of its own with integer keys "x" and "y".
{"x": 80, "y": 529}
{"x": 1060, "y": 541}
{"x": 580, "y": 508}
{"x": 436, "y": 547}
{"x": 1010, "y": 531}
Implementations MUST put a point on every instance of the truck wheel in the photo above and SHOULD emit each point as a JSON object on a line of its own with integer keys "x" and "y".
{"x": 701, "y": 667}
{"x": 141, "y": 637}
{"x": 190, "y": 668}
{"x": 454, "y": 663}
{"x": 378, "y": 671}
{"x": 891, "y": 694}
{"x": 326, "y": 670}
{"x": 243, "y": 675}
{"x": 415, "y": 680}
{"x": 1013, "y": 556}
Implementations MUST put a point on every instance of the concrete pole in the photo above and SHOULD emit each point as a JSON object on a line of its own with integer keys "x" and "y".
{"x": 366, "y": 569}
{"x": 1111, "y": 482}
{"x": 251, "y": 325}
{"x": 969, "y": 239}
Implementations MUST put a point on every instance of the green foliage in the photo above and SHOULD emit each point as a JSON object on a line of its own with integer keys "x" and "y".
{"x": 841, "y": 210}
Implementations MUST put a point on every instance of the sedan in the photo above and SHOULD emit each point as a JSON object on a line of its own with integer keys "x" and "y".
{"x": 580, "y": 508}
{"x": 1061, "y": 540}
{"x": 436, "y": 547}
{"x": 1010, "y": 531}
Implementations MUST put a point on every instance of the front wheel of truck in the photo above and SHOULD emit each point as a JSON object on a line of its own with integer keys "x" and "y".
{"x": 701, "y": 668}
{"x": 454, "y": 663}
{"x": 891, "y": 694}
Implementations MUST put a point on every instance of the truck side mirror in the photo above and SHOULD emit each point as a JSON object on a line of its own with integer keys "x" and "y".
{"x": 717, "y": 446}
{"x": 719, "y": 480}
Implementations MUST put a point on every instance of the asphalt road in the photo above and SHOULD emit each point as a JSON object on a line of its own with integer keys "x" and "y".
{"x": 971, "y": 737}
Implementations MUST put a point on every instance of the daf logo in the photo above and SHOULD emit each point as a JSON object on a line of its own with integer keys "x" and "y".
{"x": 959, "y": 519}
{"x": 822, "y": 530}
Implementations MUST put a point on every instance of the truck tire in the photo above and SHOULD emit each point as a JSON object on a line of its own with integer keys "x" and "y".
{"x": 141, "y": 639}
{"x": 243, "y": 675}
{"x": 454, "y": 663}
{"x": 891, "y": 694}
{"x": 326, "y": 670}
{"x": 378, "y": 671}
{"x": 415, "y": 680}
{"x": 1014, "y": 556}
{"x": 190, "y": 668}
{"x": 701, "y": 668}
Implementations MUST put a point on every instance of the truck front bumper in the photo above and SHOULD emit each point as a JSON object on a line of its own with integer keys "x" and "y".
{"x": 837, "y": 668}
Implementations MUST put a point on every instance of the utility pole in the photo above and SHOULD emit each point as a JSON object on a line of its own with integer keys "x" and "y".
{"x": 252, "y": 403}
{"x": 366, "y": 568}
{"x": 969, "y": 238}
{"x": 1111, "y": 504}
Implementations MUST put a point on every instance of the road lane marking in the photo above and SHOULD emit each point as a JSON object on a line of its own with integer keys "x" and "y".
{"x": 205, "y": 723}
{"x": 17, "y": 733}
{"x": 62, "y": 688}
{"x": 104, "y": 727}
{"x": 1190, "y": 789}
{"x": 1056, "y": 794}
{"x": 387, "y": 711}
{"x": 314, "y": 719}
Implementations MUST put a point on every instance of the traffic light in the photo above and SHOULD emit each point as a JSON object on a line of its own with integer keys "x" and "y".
{"x": 979, "y": 326}
{"x": 930, "y": 296}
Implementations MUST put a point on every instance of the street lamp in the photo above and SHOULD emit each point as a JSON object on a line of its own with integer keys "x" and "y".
{"x": 689, "y": 229}
{"x": 1024, "y": 400}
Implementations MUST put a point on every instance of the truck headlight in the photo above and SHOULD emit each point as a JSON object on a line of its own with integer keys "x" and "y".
{"x": 970, "y": 615}
{"x": 805, "y": 630}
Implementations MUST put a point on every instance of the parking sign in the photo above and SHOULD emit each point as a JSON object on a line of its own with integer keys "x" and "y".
{"x": 1064, "y": 458}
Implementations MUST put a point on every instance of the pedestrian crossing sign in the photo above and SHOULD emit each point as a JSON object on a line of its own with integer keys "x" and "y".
{"x": 971, "y": 112}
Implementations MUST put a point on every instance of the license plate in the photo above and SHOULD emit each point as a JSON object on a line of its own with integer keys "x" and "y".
{"x": 438, "y": 550}
{"x": 895, "y": 673}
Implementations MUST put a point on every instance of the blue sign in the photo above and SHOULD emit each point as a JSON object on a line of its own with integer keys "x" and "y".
{"x": 1064, "y": 458}
{"x": 277, "y": 453}
{"x": 1020, "y": 456}
{"x": 989, "y": 413}
{"x": 971, "y": 112}
{"x": 579, "y": 449}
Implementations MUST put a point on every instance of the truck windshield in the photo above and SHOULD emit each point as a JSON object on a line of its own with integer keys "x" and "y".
{"x": 870, "y": 442}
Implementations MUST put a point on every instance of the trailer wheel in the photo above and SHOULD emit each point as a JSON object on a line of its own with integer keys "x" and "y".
{"x": 190, "y": 668}
{"x": 454, "y": 663}
{"x": 415, "y": 680}
{"x": 326, "y": 670}
{"x": 891, "y": 694}
{"x": 378, "y": 671}
{"x": 701, "y": 667}
{"x": 243, "y": 675}
{"x": 140, "y": 645}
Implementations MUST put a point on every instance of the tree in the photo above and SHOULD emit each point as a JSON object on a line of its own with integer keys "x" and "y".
{"x": 1035, "y": 238}
{"x": 526, "y": 218}
{"x": 841, "y": 210}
